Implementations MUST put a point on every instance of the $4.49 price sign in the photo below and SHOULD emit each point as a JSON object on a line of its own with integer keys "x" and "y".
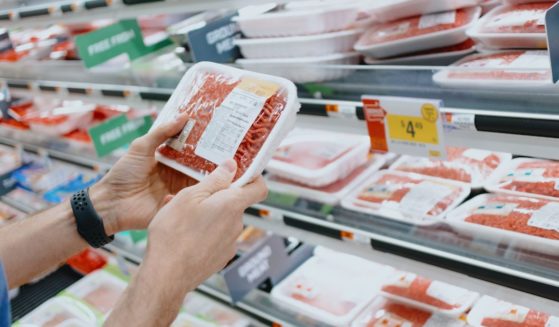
{"x": 405, "y": 126}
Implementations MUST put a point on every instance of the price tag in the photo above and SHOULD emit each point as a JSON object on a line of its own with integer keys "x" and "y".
{"x": 552, "y": 28}
{"x": 405, "y": 126}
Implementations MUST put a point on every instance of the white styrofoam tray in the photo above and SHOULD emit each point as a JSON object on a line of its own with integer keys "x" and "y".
{"x": 431, "y": 59}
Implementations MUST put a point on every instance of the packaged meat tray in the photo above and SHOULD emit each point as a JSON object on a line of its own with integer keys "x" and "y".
{"x": 508, "y": 70}
{"x": 406, "y": 197}
{"x": 299, "y": 46}
{"x": 59, "y": 311}
{"x": 310, "y": 289}
{"x": 255, "y": 113}
{"x": 525, "y": 222}
{"x": 387, "y": 313}
{"x": 100, "y": 290}
{"x": 471, "y": 166}
{"x": 435, "y": 57}
{"x": 9, "y": 160}
{"x": 490, "y": 312}
{"x": 298, "y": 22}
{"x": 513, "y": 27}
{"x": 517, "y": 2}
{"x": 40, "y": 177}
{"x": 60, "y": 120}
{"x": 9, "y": 214}
{"x": 210, "y": 313}
{"x": 305, "y": 69}
{"x": 527, "y": 177}
{"x": 433, "y": 296}
{"x": 418, "y": 33}
{"x": 331, "y": 193}
{"x": 316, "y": 158}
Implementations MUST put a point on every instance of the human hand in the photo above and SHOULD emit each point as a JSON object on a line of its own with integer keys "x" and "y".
{"x": 137, "y": 186}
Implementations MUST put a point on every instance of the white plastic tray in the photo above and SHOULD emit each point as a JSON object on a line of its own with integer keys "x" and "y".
{"x": 431, "y": 59}
{"x": 284, "y": 124}
{"x": 455, "y": 219}
{"x": 515, "y": 2}
{"x": 304, "y": 69}
{"x": 505, "y": 40}
{"x": 388, "y": 10}
{"x": 320, "y": 195}
{"x": 340, "y": 167}
{"x": 298, "y": 22}
{"x": 299, "y": 46}
{"x": 421, "y": 42}
{"x": 59, "y": 305}
{"x": 319, "y": 272}
{"x": 74, "y": 121}
{"x": 488, "y": 5}
{"x": 395, "y": 213}
{"x": 467, "y": 304}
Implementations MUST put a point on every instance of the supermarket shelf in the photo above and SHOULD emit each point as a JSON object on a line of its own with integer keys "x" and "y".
{"x": 72, "y": 11}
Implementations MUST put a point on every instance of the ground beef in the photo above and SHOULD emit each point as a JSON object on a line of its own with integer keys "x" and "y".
{"x": 546, "y": 185}
{"x": 416, "y": 317}
{"x": 522, "y": 18}
{"x": 533, "y": 319}
{"x": 418, "y": 292}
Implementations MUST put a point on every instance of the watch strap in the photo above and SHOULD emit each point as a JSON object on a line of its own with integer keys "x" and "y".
{"x": 90, "y": 225}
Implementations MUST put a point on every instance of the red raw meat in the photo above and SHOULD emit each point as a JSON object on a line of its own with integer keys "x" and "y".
{"x": 533, "y": 25}
{"x": 533, "y": 319}
{"x": 417, "y": 317}
{"x": 547, "y": 186}
{"x": 205, "y": 99}
{"x": 418, "y": 292}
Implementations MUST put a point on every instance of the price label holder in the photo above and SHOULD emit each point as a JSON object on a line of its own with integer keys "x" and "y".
{"x": 405, "y": 125}
{"x": 552, "y": 27}
{"x": 269, "y": 260}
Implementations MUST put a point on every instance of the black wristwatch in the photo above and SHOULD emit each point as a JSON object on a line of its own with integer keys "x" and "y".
{"x": 90, "y": 225}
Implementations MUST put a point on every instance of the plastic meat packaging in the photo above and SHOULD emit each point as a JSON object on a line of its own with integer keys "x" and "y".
{"x": 390, "y": 10}
{"x": 418, "y": 33}
{"x": 210, "y": 313}
{"x": 317, "y": 158}
{"x": 521, "y": 221}
{"x": 513, "y": 27}
{"x": 429, "y": 295}
{"x": 406, "y": 197}
{"x": 59, "y": 311}
{"x": 60, "y": 120}
{"x": 298, "y": 22}
{"x": 388, "y": 313}
{"x": 527, "y": 177}
{"x": 231, "y": 114}
{"x": 490, "y": 312}
{"x": 510, "y": 70}
{"x": 471, "y": 166}
{"x": 9, "y": 160}
{"x": 310, "y": 289}
{"x": 100, "y": 290}
{"x": 331, "y": 193}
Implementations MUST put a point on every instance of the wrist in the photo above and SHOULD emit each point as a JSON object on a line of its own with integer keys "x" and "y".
{"x": 103, "y": 201}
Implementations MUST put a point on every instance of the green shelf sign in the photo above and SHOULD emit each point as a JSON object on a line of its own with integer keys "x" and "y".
{"x": 118, "y": 132}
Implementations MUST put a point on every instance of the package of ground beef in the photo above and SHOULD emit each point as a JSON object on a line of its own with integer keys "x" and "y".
{"x": 471, "y": 166}
{"x": 508, "y": 70}
{"x": 491, "y": 312}
{"x": 527, "y": 177}
{"x": 387, "y": 313}
{"x": 406, "y": 197}
{"x": 60, "y": 311}
{"x": 513, "y": 26}
{"x": 409, "y": 35}
{"x": 429, "y": 295}
{"x": 60, "y": 120}
{"x": 232, "y": 114}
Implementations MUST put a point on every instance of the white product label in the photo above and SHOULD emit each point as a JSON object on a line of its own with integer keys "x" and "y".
{"x": 423, "y": 197}
{"x": 528, "y": 175}
{"x": 403, "y": 280}
{"x": 73, "y": 108}
{"x": 546, "y": 218}
{"x": 475, "y": 154}
{"x": 447, "y": 293}
{"x": 391, "y": 320}
{"x": 179, "y": 141}
{"x": 510, "y": 312}
{"x": 443, "y": 321}
{"x": 344, "y": 111}
{"x": 514, "y": 18}
{"x": 229, "y": 125}
{"x": 463, "y": 122}
{"x": 552, "y": 322}
{"x": 496, "y": 209}
{"x": 395, "y": 30}
{"x": 531, "y": 60}
{"x": 431, "y": 20}
{"x": 328, "y": 152}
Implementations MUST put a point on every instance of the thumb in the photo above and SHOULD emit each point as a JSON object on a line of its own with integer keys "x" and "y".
{"x": 148, "y": 143}
{"x": 219, "y": 179}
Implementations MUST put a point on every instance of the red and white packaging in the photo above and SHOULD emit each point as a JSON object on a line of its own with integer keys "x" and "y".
{"x": 513, "y": 27}
{"x": 406, "y": 197}
{"x": 232, "y": 114}
{"x": 471, "y": 166}
{"x": 60, "y": 311}
{"x": 527, "y": 177}
{"x": 509, "y": 70}
{"x": 316, "y": 158}
{"x": 331, "y": 193}
{"x": 491, "y": 312}
{"x": 426, "y": 294}
{"x": 386, "y": 313}
{"x": 311, "y": 289}
{"x": 60, "y": 120}
{"x": 525, "y": 222}
{"x": 418, "y": 33}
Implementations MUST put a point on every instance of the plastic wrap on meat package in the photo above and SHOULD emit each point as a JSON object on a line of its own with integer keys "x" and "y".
{"x": 390, "y": 10}
{"x": 384, "y": 312}
{"x": 231, "y": 114}
{"x": 406, "y": 197}
{"x": 471, "y": 166}
{"x": 418, "y": 33}
{"x": 60, "y": 120}
{"x": 491, "y": 312}
{"x": 210, "y": 313}
{"x": 59, "y": 311}
{"x": 430, "y": 295}
{"x": 310, "y": 289}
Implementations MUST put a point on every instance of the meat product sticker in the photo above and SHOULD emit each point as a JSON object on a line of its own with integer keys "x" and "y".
{"x": 546, "y": 218}
{"x": 552, "y": 29}
{"x": 405, "y": 126}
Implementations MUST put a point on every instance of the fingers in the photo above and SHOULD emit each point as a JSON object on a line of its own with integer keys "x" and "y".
{"x": 243, "y": 197}
{"x": 220, "y": 179}
{"x": 148, "y": 143}
{"x": 167, "y": 198}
